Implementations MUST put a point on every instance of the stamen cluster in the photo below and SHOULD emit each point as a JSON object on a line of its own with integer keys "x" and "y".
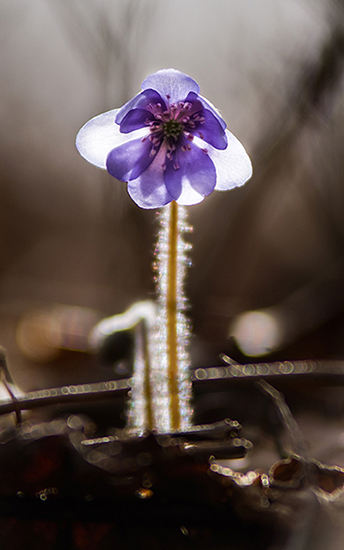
{"x": 173, "y": 126}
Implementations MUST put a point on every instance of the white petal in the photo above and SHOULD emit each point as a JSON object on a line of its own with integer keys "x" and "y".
{"x": 233, "y": 165}
{"x": 100, "y": 135}
{"x": 188, "y": 195}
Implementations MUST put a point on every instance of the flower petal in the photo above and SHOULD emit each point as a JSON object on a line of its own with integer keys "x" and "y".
{"x": 212, "y": 131}
{"x": 135, "y": 119}
{"x": 233, "y": 165}
{"x": 149, "y": 190}
{"x": 208, "y": 105}
{"x": 172, "y": 83}
{"x": 195, "y": 169}
{"x": 129, "y": 160}
{"x": 99, "y": 136}
{"x": 189, "y": 196}
{"x": 141, "y": 100}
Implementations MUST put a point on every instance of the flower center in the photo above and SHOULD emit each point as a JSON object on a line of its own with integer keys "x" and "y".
{"x": 174, "y": 126}
{"x": 172, "y": 129}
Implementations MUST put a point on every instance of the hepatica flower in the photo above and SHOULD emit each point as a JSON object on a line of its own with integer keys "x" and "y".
{"x": 168, "y": 143}
{"x": 172, "y": 148}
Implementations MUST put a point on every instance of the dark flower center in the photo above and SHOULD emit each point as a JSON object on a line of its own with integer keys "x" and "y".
{"x": 175, "y": 127}
{"x": 172, "y": 129}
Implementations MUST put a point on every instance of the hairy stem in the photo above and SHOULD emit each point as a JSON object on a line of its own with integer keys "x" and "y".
{"x": 169, "y": 347}
{"x": 161, "y": 385}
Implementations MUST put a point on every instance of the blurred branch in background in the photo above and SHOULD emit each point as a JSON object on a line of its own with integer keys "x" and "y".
{"x": 108, "y": 35}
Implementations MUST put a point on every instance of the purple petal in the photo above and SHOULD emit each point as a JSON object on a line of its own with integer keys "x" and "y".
{"x": 141, "y": 101}
{"x": 211, "y": 130}
{"x": 207, "y": 105}
{"x": 171, "y": 84}
{"x": 135, "y": 119}
{"x": 129, "y": 160}
{"x": 149, "y": 190}
{"x": 233, "y": 165}
{"x": 193, "y": 167}
{"x": 99, "y": 136}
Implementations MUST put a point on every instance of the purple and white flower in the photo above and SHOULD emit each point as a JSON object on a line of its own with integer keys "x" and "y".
{"x": 168, "y": 143}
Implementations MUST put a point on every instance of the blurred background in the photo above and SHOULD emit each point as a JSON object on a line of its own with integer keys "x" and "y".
{"x": 268, "y": 268}
{"x": 70, "y": 236}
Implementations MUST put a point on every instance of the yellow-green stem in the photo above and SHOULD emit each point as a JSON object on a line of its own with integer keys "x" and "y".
{"x": 172, "y": 310}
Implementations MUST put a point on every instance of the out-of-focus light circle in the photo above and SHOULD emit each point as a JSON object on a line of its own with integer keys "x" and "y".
{"x": 41, "y": 334}
{"x": 32, "y": 336}
{"x": 257, "y": 333}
